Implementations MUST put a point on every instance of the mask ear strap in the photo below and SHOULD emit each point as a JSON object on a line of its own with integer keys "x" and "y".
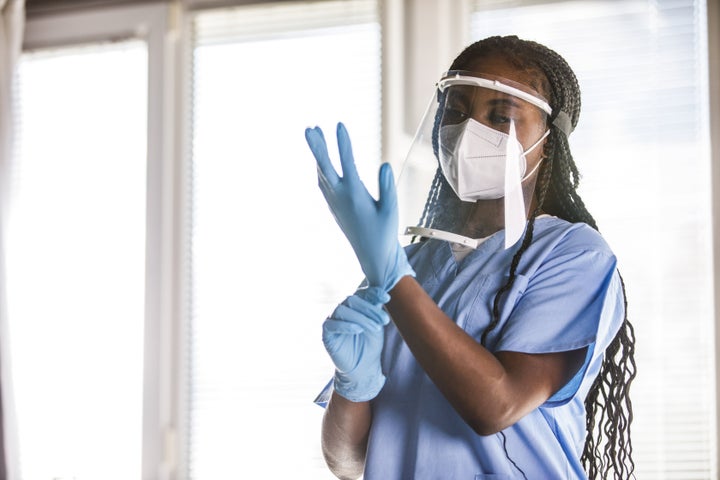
{"x": 533, "y": 170}
{"x": 547, "y": 132}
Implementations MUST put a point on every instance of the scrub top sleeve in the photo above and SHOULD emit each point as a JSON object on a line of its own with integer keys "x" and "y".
{"x": 323, "y": 398}
{"x": 561, "y": 306}
{"x": 562, "y": 309}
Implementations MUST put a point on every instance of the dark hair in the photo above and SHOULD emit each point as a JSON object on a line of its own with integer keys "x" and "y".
{"x": 608, "y": 449}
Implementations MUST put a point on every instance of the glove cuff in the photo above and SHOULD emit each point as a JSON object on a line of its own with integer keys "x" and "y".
{"x": 359, "y": 390}
{"x": 376, "y": 296}
{"x": 400, "y": 269}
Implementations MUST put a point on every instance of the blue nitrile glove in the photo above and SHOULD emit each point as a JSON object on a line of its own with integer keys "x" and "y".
{"x": 353, "y": 336}
{"x": 371, "y": 226}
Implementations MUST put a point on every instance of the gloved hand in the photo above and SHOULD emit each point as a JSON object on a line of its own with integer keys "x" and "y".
{"x": 370, "y": 226}
{"x": 353, "y": 336}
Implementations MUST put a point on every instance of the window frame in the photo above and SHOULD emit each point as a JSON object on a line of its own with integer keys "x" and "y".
{"x": 713, "y": 125}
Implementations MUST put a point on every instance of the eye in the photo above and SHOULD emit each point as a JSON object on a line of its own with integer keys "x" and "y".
{"x": 497, "y": 118}
{"x": 454, "y": 116}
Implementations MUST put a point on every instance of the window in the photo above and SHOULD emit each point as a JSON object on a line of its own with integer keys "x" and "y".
{"x": 76, "y": 261}
{"x": 642, "y": 146}
{"x": 171, "y": 259}
{"x": 87, "y": 244}
{"x": 266, "y": 260}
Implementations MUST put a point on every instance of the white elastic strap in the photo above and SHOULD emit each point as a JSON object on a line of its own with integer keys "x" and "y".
{"x": 442, "y": 235}
{"x": 495, "y": 85}
{"x": 547, "y": 132}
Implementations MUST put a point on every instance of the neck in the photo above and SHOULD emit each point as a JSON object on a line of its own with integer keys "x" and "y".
{"x": 485, "y": 217}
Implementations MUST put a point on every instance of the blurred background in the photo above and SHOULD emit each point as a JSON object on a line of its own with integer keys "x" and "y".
{"x": 168, "y": 258}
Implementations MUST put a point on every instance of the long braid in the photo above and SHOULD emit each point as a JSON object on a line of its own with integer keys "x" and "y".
{"x": 605, "y": 399}
{"x": 564, "y": 200}
{"x": 608, "y": 448}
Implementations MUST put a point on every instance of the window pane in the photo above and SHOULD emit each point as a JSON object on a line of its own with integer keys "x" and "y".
{"x": 76, "y": 253}
{"x": 267, "y": 259}
{"x": 642, "y": 147}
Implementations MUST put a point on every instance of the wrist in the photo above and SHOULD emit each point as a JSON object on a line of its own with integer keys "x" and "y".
{"x": 361, "y": 388}
{"x": 401, "y": 268}
{"x": 398, "y": 266}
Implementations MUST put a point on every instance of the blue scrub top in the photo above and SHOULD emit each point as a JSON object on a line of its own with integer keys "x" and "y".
{"x": 567, "y": 296}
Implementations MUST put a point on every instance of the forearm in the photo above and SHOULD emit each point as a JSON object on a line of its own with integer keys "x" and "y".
{"x": 490, "y": 392}
{"x": 344, "y": 438}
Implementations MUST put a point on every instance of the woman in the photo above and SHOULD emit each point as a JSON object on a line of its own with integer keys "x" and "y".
{"x": 498, "y": 356}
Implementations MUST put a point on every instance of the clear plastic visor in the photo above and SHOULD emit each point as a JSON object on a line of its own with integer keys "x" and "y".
{"x": 472, "y": 166}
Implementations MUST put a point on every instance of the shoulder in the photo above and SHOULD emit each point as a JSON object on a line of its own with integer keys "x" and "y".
{"x": 562, "y": 236}
{"x": 560, "y": 248}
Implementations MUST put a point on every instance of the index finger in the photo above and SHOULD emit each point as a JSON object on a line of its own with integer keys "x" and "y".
{"x": 316, "y": 142}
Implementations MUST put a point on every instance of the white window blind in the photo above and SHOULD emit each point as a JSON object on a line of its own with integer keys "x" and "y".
{"x": 76, "y": 261}
{"x": 266, "y": 261}
{"x": 642, "y": 146}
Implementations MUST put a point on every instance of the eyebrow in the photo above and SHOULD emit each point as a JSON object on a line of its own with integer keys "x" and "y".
{"x": 459, "y": 96}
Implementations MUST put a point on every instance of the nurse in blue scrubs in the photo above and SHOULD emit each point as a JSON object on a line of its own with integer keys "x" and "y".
{"x": 495, "y": 345}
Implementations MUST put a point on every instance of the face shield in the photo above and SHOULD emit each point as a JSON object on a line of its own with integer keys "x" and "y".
{"x": 473, "y": 163}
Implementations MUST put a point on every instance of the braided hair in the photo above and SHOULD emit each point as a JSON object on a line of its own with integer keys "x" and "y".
{"x": 608, "y": 450}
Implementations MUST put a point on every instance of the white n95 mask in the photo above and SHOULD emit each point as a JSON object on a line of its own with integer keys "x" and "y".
{"x": 473, "y": 159}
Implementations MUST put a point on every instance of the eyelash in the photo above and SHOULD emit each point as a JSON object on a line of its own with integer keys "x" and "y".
{"x": 497, "y": 118}
{"x": 454, "y": 113}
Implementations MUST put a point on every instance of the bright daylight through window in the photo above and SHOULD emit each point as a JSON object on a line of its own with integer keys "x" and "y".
{"x": 268, "y": 262}
{"x": 643, "y": 132}
{"x": 76, "y": 261}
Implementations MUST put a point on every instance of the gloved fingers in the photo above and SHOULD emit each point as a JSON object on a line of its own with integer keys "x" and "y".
{"x": 347, "y": 160}
{"x": 332, "y": 326}
{"x": 326, "y": 172}
{"x": 368, "y": 320}
{"x": 373, "y": 311}
{"x": 342, "y": 347}
{"x": 388, "y": 193}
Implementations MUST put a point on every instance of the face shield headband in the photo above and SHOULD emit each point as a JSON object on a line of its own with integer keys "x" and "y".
{"x": 481, "y": 159}
{"x": 504, "y": 86}
{"x": 562, "y": 119}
